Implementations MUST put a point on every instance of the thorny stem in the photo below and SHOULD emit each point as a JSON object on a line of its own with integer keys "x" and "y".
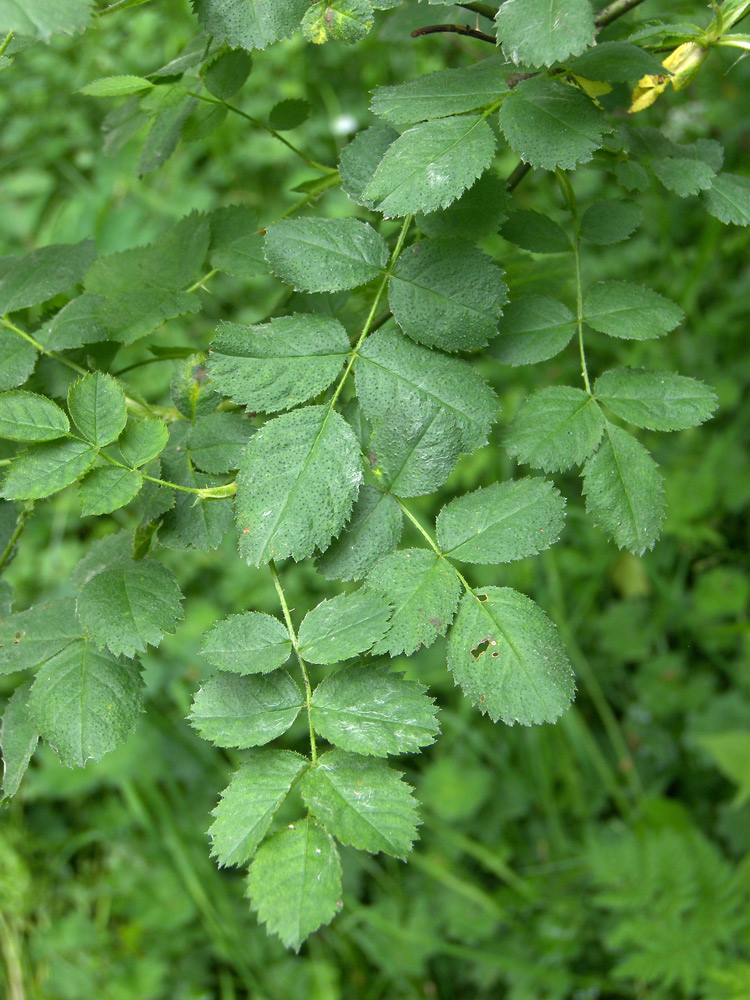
{"x": 21, "y": 520}
{"x": 433, "y": 545}
{"x": 206, "y": 492}
{"x": 201, "y": 281}
{"x": 302, "y": 664}
{"x": 271, "y": 131}
{"x": 572, "y": 204}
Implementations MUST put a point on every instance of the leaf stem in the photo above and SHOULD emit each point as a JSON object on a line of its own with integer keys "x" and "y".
{"x": 205, "y": 492}
{"x": 614, "y": 10}
{"x": 433, "y": 544}
{"x": 455, "y": 29}
{"x": 21, "y": 520}
{"x": 373, "y": 309}
{"x": 267, "y": 128}
{"x": 483, "y": 9}
{"x": 201, "y": 281}
{"x": 6, "y": 41}
{"x": 300, "y": 661}
{"x": 572, "y": 204}
{"x": 10, "y": 325}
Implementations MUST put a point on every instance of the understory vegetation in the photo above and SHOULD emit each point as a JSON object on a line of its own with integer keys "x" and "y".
{"x": 374, "y": 424}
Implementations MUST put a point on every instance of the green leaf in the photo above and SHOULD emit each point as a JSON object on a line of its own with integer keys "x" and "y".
{"x": 370, "y": 710}
{"x": 536, "y": 232}
{"x": 424, "y": 592}
{"x": 682, "y": 175}
{"x": 250, "y": 802}
{"x": 373, "y": 530}
{"x": 251, "y": 643}
{"x": 17, "y": 360}
{"x": 42, "y": 274}
{"x": 19, "y": 736}
{"x": 295, "y": 882}
{"x": 191, "y": 389}
{"x": 236, "y": 246}
{"x": 542, "y": 32}
{"x": 615, "y": 62}
{"x": 130, "y": 605}
{"x": 390, "y": 366}
{"x": 533, "y": 328}
{"x": 85, "y": 702}
{"x": 188, "y": 524}
{"x": 225, "y": 75}
{"x": 297, "y": 482}
{"x": 289, "y": 114}
{"x": 610, "y": 221}
{"x": 555, "y": 428}
{"x": 116, "y": 86}
{"x": 107, "y": 489}
{"x": 552, "y": 124}
{"x": 343, "y": 626}
{"x": 25, "y": 416}
{"x": 362, "y": 802}
{"x": 337, "y": 20}
{"x": 502, "y": 522}
{"x": 729, "y": 199}
{"x": 359, "y": 160}
{"x": 43, "y": 469}
{"x": 624, "y": 492}
{"x": 41, "y": 19}
{"x": 325, "y": 255}
{"x": 631, "y": 312}
{"x": 478, "y": 212}
{"x": 439, "y": 95}
{"x": 30, "y": 638}
{"x": 250, "y": 24}
{"x": 660, "y": 401}
{"x": 97, "y": 406}
{"x": 414, "y": 447}
{"x": 142, "y": 441}
{"x": 730, "y": 752}
{"x": 280, "y": 364}
{"x": 140, "y": 289}
{"x": 508, "y": 657}
{"x": 86, "y": 319}
{"x": 431, "y": 165}
{"x": 216, "y": 442}
{"x": 245, "y": 711}
{"x": 445, "y": 293}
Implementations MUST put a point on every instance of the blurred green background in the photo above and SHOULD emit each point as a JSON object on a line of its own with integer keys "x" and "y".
{"x": 604, "y": 857}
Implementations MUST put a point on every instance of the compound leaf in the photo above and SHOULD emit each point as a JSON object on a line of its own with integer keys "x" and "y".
{"x": 17, "y": 360}
{"x": 19, "y": 736}
{"x": 325, "y": 255}
{"x": 508, "y": 657}
{"x": 337, "y": 20}
{"x": 610, "y": 221}
{"x": 142, "y": 441}
{"x": 424, "y": 592}
{"x": 555, "y": 428}
{"x": 217, "y": 441}
{"x": 251, "y": 643}
{"x": 533, "y": 328}
{"x": 729, "y": 199}
{"x": 297, "y": 482}
{"x": 280, "y": 364}
{"x": 552, "y": 124}
{"x": 97, "y": 406}
{"x": 225, "y": 75}
{"x": 502, "y": 522}
{"x": 414, "y": 447}
{"x": 29, "y": 638}
{"x": 536, "y": 232}
{"x": 104, "y": 490}
{"x": 542, "y": 32}
{"x": 360, "y": 159}
{"x": 660, "y": 401}
{"x": 430, "y": 165}
{"x": 235, "y": 711}
{"x": 250, "y": 24}
{"x": 373, "y": 531}
{"x": 295, "y": 882}
{"x": 442, "y": 94}
{"x": 370, "y": 710}
{"x": 391, "y": 366}
{"x": 43, "y": 469}
{"x": 85, "y": 701}
{"x": 362, "y": 802}
{"x": 631, "y": 312}
{"x": 344, "y": 626}
{"x": 446, "y": 293}
{"x": 624, "y": 492}
{"x": 43, "y": 273}
{"x": 249, "y": 803}
{"x": 130, "y": 605}
{"x": 25, "y": 416}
